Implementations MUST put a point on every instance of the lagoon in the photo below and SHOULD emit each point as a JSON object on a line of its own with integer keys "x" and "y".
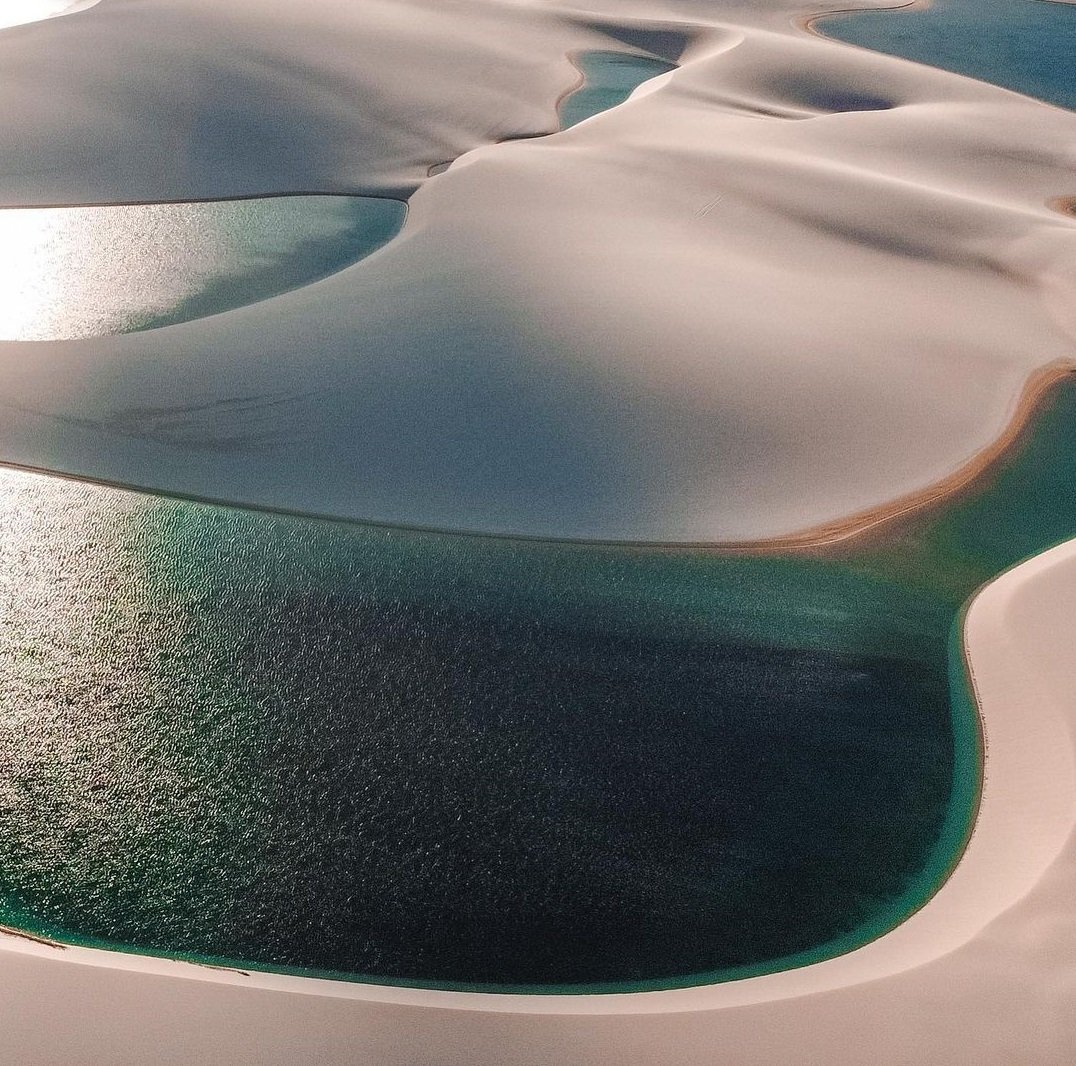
{"x": 609, "y": 78}
{"x": 1024, "y": 45}
{"x": 70, "y": 272}
{"x": 378, "y": 754}
{"x": 263, "y": 740}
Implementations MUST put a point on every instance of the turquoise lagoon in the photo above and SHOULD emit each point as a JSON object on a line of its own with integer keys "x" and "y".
{"x": 1025, "y": 45}
{"x": 95, "y": 270}
{"x": 272, "y": 741}
{"x": 609, "y": 78}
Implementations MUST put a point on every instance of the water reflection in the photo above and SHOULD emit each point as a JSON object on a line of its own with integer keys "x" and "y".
{"x": 70, "y": 272}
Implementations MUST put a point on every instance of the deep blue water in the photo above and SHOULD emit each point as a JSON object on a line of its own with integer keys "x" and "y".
{"x": 452, "y": 760}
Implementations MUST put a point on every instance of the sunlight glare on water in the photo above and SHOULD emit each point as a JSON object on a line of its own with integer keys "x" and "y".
{"x": 70, "y": 272}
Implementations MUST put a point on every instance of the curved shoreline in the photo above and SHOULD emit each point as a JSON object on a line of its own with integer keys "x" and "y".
{"x": 852, "y": 531}
{"x": 1029, "y": 779}
{"x": 158, "y": 988}
{"x": 863, "y": 525}
{"x": 807, "y": 22}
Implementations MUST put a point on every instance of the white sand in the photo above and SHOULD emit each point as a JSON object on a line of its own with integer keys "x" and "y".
{"x": 720, "y": 311}
{"x": 723, "y": 311}
{"x": 20, "y": 12}
{"x": 983, "y": 974}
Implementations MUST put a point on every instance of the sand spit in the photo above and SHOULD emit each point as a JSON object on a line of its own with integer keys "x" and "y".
{"x": 983, "y": 973}
{"x": 878, "y": 522}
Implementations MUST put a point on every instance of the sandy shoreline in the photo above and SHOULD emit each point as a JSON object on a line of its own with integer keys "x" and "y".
{"x": 983, "y": 972}
{"x": 877, "y": 521}
{"x": 691, "y": 415}
{"x": 942, "y": 965}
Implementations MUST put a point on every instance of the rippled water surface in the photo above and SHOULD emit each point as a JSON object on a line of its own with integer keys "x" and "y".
{"x": 70, "y": 272}
{"x": 461, "y": 761}
{"x": 449, "y": 760}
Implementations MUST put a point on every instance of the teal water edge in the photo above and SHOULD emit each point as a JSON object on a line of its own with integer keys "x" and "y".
{"x": 273, "y": 742}
{"x": 73, "y": 272}
{"x": 1025, "y": 45}
{"x": 447, "y": 760}
{"x": 609, "y": 78}
{"x": 98, "y": 270}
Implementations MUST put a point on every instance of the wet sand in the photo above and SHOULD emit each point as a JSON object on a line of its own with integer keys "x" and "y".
{"x": 877, "y": 523}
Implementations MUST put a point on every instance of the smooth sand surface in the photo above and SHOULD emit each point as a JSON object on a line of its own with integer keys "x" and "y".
{"x": 982, "y": 974}
{"x": 20, "y": 12}
{"x": 789, "y": 283}
{"x": 786, "y": 284}
{"x": 880, "y": 521}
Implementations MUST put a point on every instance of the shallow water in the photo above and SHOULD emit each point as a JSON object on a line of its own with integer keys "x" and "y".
{"x": 1025, "y": 45}
{"x": 70, "y": 272}
{"x": 609, "y": 79}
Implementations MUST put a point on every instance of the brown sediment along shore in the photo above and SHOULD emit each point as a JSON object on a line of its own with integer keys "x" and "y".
{"x": 855, "y": 531}
{"x": 807, "y": 22}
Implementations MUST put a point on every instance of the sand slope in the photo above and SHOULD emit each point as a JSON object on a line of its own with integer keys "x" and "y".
{"x": 790, "y": 281}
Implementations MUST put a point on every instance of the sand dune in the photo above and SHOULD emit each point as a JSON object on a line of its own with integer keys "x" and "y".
{"x": 790, "y": 282}
{"x": 21, "y": 12}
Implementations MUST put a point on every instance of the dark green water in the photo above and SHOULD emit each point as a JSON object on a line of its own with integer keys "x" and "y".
{"x": 1025, "y": 45}
{"x": 609, "y": 79}
{"x": 444, "y": 759}
{"x": 463, "y": 762}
